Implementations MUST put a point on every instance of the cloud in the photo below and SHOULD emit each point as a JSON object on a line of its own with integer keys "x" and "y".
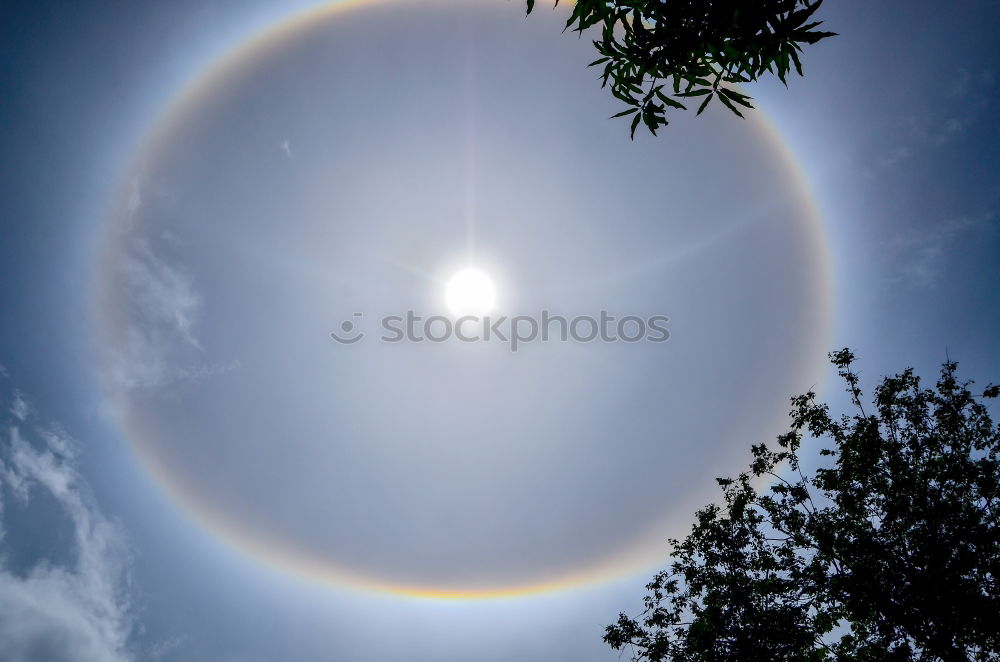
{"x": 78, "y": 611}
{"x": 163, "y": 648}
{"x": 19, "y": 407}
{"x": 894, "y": 156}
{"x": 165, "y": 292}
{"x": 962, "y": 84}
{"x": 923, "y": 254}
{"x": 966, "y": 82}
{"x": 954, "y": 126}
{"x": 163, "y": 322}
{"x": 160, "y": 345}
{"x": 970, "y": 98}
{"x": 974, "y": 92}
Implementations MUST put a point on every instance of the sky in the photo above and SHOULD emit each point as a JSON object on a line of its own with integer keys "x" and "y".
{"x": 195, "y": 195}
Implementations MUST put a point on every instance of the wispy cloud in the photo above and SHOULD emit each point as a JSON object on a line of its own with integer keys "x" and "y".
{"x": 894, "y": 156}
{"x": 952, "y": 127}
{"x": 967, "y": 82}
{"x": 164, "y": 292}
{"x": 962, "y": 84}
{"x": 923, "y": 255}
{"x": 74, "y": 612}
{"x": 164, "y": 648}
{"x": 19, "y": 407}
{"x": 973, "y": 93}
{"x": 970, "y": 97}
{"x": 159, "y": 344}
{"x": 162, "y": 323}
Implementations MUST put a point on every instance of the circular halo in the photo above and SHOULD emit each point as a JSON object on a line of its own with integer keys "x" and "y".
{"x": 639, "y": 550}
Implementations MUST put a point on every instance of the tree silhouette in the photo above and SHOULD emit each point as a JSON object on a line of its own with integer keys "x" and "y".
{"x": 889, "y": 551}
{"x": 660, "y": 54}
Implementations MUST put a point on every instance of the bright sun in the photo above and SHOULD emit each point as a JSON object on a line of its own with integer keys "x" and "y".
{"x": 470, "y": 292}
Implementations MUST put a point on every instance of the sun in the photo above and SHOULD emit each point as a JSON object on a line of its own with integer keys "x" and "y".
{"x": 470, "y": 292}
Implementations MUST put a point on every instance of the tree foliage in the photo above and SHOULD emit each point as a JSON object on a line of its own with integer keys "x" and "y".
{"x": 663, "y": 54}
{"x": 889, "y": 551}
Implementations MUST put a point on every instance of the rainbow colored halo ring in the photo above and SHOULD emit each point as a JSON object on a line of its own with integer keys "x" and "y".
{"x": 640, "y": 550}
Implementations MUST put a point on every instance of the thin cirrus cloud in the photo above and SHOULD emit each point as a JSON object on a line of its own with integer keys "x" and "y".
{"x": 924, "y": 254}
{"x": 164, "y": 347}
{"x": 926, "y": 131}
{"x": 166, "y": 291}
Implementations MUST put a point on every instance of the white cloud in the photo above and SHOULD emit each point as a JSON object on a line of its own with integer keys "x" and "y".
{"x": 19, "y": 407}
{"x": 160, "y": 345}
{"x": 164, "y": 292}
{"x": 163, "y": 648}
{"x": 74, "y": 612}
{"x": 167, "y": 307}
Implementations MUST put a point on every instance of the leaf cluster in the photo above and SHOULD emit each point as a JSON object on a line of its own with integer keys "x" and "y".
{"x": 663, "y": 54}
{"x": 889, "y": 551}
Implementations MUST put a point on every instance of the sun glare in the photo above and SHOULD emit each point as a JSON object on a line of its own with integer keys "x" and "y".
{"x": 470, "y": 292}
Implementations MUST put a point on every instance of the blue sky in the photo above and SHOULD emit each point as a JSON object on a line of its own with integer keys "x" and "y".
{"x": 894, "y": 129}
